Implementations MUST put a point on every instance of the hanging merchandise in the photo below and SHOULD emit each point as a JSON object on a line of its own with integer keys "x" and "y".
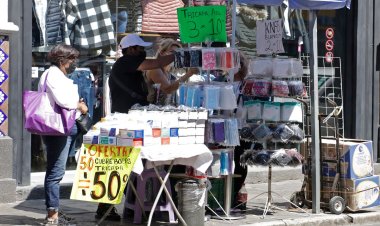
{"x": 208, "y": 59}
{"x": 282, "y": 133}
{"x": 160, "y": 16}
{"x": 280, "y": 88}
{"x": 195, "y": 58}
{"x": 262, "y": 133}
{"x": 88, "y": 24}
{"x": 254, "y": 109}
{"x": 280, "y": 158}
{"x": 211, "y": 97}
{"x": 261, "y": 88}
{"x": 296, "y": 88}
{"x": 227, "y": 99}
{"x": 298, "y": 135}
{"x": 231, "y": 132}
{"x": 291, "y": 112}
{"x": 287, "y": 68}
{"x": 272, "y": 111}
{"x": 261, "y": 67}
{"x": 297, "y": 158}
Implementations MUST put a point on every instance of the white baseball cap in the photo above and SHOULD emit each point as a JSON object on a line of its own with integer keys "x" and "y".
{"x": 133, "y": 40}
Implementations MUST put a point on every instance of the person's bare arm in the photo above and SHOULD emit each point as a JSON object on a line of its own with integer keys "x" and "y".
{"x": 161, "y": 61}
{"x": 158, "y": 77}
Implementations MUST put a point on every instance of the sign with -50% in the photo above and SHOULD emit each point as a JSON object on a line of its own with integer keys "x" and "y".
{"x": 202, "y": 23}
{"x": 102, "y": 172}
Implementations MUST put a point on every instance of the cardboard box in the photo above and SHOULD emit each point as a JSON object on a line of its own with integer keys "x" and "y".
{"x": 200, "y": 123}
{"x": 107, "y": 140}
{"x": 357, "y": 193}
{"x": 356, "y": 157}
{"x": 125, "y": 133}
{"x": 165, "y": 140}
{"x": 90, "y": 139}
{"x": 165, "y": 132}
{"x": 156, "y": 132}
{"x": 362, "y": 193}
{"x": 106, "y": 131}
{"x": 200, "y": 131}
{"x": 130, "y": 142}
{"x": 173, "y": 132}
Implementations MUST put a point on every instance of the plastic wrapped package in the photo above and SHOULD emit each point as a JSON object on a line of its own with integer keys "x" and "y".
{"x": 280, "y": 88}
{"x": 208, "y": 59}
{"x": 214, "y": 169}
{"x": 261, "y": 88}
{"x": 254, "y": 109}
{"x": 272, "y": 111}
{"x": 298, "y": 135}
{"x": 262, "y": 133}
{"x": 231, "y": 132}
{"x": 287, "y": 68}
{"x": 261, "y": 67}
{"x": 186, "y": 58}
{"x": 229, "y": 61}
{"x": 178, "y": 58}
{"x": 247, "y": 87}
{"x": 296, "y": 88}
{"x": 282, "y": 133}
{"x": 195, "y": 58}
{"x": 297, "y": 158}
{"x": 280, "y": 158}
{"x": 220, "y": 58}
{"x": 291, "y": 112}
{"x": 227, "y": 100}
{"x": 218, "y": 130}
{"x": 224, "y": 162}
{"x": 182, "y": 94}
{"x": 211, "y": 97}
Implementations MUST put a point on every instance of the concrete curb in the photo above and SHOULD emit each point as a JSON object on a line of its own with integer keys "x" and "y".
{"x": 325, "y": 220}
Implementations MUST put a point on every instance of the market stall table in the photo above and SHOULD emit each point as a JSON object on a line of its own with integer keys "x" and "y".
{"x": 197, "y": 156}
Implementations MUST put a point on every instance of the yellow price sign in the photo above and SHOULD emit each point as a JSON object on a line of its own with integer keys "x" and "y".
{"x": 102, "y": 172}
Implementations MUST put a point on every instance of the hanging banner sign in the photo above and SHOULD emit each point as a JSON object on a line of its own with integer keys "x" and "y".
{"x": 202, "y": 23}
{"x": 269, "y": 36}
{"x": 102, "y": 172}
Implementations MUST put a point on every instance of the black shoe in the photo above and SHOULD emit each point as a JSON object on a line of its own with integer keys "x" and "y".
{"x": 102, "y": 209}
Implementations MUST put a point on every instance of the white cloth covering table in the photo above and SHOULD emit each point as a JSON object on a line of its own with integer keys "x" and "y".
{"x": 197, "y": 156}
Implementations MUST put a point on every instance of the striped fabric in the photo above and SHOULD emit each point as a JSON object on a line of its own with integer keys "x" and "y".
{"x": 160, "y": 16}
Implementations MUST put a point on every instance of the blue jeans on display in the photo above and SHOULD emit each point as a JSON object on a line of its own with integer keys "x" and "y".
{"x": 122, "y": 20}
{"x": 85, "y": 88}
{"x": 57, "y": 148}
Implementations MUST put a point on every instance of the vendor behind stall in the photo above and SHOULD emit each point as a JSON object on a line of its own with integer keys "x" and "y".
{"x": 127, "y": 84}
{"x": 128, "y": 87}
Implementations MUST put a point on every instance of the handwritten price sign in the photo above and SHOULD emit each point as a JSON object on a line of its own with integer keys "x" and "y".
{"x": 269, "y": 36}
{"x": 102, "y": 173}
{"x": 202, "y": 23}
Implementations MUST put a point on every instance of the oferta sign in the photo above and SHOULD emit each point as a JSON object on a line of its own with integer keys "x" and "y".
{"x": 202, "y": 23}
{"x": 102, "y": 172}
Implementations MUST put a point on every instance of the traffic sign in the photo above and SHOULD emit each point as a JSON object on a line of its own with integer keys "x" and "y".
{"x": 329, "y": 33}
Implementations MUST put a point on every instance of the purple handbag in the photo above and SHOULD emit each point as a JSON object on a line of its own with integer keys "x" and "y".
{"x": 45, "y": 117}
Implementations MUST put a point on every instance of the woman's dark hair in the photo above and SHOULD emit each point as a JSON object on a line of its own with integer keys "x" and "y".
{"x": 61, "y": 53}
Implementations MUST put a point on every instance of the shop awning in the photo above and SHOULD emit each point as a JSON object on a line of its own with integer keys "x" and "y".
{"x": 303, "y": 4}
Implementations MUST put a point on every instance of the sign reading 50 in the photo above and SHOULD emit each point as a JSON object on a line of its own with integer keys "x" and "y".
{"x": 102, "y": 173}
{"x": 202, "y": 23}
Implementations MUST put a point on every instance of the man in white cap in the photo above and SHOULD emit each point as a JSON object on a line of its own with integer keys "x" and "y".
{"x": 128, "y": 87}
{"x": 127, "y": 84}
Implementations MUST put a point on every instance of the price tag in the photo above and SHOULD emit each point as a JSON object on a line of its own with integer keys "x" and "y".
{"x": 269, "y": 37}
{"x": 202, "y": 23}
{"x": 102, "y": 173}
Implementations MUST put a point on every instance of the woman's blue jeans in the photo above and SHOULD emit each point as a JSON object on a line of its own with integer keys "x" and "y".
{"x": 57, "y": 148}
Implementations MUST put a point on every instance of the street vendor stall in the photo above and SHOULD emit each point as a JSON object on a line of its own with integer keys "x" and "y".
{"x": 311, "y": 5}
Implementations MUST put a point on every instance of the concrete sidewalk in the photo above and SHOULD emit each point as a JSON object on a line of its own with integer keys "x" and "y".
{"x": 32, "y": 211}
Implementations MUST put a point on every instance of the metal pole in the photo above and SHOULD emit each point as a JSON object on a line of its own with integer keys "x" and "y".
{"x": 315, "y": 149}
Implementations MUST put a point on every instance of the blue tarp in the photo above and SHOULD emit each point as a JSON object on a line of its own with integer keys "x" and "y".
{"x": 304, "y": 4}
